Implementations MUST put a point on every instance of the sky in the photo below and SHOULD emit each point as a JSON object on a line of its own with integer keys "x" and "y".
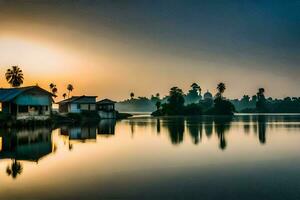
{"x": 110, "y": 48}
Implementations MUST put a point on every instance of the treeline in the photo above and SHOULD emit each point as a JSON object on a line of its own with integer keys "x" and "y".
{"x": 260, "y": 104}
{"x": 194, "y": 101}
{"x": 175, "y": 104}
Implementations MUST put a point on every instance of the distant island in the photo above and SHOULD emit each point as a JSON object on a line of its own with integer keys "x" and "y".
{"x": 194, "y": 103}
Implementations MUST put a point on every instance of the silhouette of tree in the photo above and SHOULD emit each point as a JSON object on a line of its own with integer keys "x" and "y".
{"x": 15, "y": 169}
{"x": 157, "y": 95}
{"x": 261, "y": 100}
{"x": 70, "y": 88}
{"x": 131, "y": 95}
{"x": 64, "y": 95}
{"x": 14, "y": 76}
{"x": 194, "y": 94}
{"x": 176, "y": 97}
{"x": 53, "y": 88}
{"x": 221, "y": 88}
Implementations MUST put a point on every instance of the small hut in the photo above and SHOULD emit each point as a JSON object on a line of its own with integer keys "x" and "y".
{"x": 106, "y": 109}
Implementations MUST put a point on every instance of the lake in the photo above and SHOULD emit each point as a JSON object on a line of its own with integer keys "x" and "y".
{"x": 239, "y": 157}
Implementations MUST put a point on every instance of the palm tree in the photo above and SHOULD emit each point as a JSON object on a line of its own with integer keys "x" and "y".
{"x": 53, "y": 88}
{"x": 131, "y": 95}
{"x": 64, "y": 95}
{"x": 221, "y": 88}
{"x": 70, "y": 88}
{"x": 51, "y": 85}
{"x": 261, "y": 91}
{"x": 14, "y": 76}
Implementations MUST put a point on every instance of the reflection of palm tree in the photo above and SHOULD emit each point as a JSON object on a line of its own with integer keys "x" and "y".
{"x": 262, "y": 129}
{"x": 208, "y": 126}
{"x": 221, "y": 126}
{"x": 70, "y": 88}
{"x": 176, "y": 130}
{"x": 14, "y": 76}
{"x": 246, "y": 120}
{"x": 223, "y": 142}
{"x": 195, "y": 129}
{"x": 158, "y": 126}
{"x": 15, "y": 169}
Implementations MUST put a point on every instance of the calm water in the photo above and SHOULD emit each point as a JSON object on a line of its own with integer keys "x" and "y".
{"x": 243, "y": 157}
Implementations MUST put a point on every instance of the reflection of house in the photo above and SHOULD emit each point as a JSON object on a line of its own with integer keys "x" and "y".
{"x": 107, "y": 127}
{"x": 79, "y": 133}
{"x": 26, "y": 102}
{"x": 77, "y": 104}
{"x": 106, "y": 109}
{"x": 29, "y": 145}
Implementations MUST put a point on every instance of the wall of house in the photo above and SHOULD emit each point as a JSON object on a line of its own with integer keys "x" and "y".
{"x": 73, "y": 108}
{"x": 33, "y": 100}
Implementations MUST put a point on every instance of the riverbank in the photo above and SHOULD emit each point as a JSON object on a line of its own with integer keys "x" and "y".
{"x": 56, "y": 119}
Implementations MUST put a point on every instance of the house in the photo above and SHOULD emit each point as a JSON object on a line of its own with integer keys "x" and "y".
{"x": 78, "y": 104}
{"x": 26, "y": 103}
{"x": 106, "y": 109}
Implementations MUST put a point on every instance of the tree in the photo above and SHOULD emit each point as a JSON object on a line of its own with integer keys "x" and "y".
{"x": 193, "y": 95}
{"x": 261, "y": 100}
{"x": 14, "y": 76}
{"x": 157, "y": 95}
{"x": 131, "y": 95}
{"x": 70, "y": 88}
{"x": 176, "y": 99}
{"x": 195, "y": 86}
{"x": 64, "y": 95}
{"x": 53, "y": 88}
{"x": 223, "y": 107}
{"x": 221, "y": 88}
{"x": 158, "y": 104}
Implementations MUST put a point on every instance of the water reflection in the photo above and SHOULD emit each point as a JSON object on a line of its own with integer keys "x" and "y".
{"x": 262, "y": 129}
{"x": 107, "y": 127}
{"x": 24, "y": 145}
{"x": 19, "y": 145}
{"x": 176, "y": 129}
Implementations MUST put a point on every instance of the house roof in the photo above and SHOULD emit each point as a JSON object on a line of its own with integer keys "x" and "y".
{"x": 106, "y": 101}
{"x": 8, "y": 94}
{"x": 74, "y": 98}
